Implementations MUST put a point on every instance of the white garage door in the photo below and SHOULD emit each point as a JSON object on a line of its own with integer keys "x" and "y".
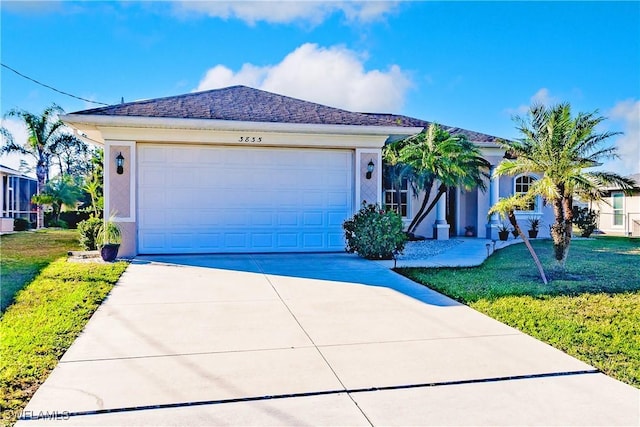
{"x": 215, "y": 199}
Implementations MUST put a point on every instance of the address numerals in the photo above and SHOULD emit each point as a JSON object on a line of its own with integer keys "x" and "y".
{"x": 250, "y": 139}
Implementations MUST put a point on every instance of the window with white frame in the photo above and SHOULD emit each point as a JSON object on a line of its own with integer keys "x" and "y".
{"x": 617, "y": 202}
{"x": 522, "y": 185}
{"x": 397, "y": 199}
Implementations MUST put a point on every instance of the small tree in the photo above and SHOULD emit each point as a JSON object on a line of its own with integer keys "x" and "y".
{"x": 93, "y": 184}
{"x": 506, "y": 209}
{"x": 59, "y": 192}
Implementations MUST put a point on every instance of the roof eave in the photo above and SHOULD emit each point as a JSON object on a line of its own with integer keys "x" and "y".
{"x": 92, "y": 122}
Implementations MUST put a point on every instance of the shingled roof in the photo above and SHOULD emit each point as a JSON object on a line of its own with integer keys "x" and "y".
{"x": 241, "y": 103}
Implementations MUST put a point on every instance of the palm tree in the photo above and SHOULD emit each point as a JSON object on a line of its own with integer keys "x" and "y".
{"x": 506, "y": 209}
{"x": 46, "y": 132}
{"x": 435, "y": 155}
{"x": 559, "y": 148}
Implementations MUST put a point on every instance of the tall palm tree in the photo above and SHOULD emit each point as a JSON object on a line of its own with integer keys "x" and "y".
{"x": 559, "y": 147}
{"x": 435, "y": 155}
{"x": 46, "y": 132}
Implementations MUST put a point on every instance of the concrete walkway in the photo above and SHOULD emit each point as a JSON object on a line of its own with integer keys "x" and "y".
{"x": 466, "y": 252}
{"x": 326, "y": 339}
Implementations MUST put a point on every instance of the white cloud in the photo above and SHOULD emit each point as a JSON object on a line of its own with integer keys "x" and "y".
{"x": 332, "y": 76}
{"x": 627, "y": 113}
{"x": 310, "y": 12}
{"x": 542, "y": 96}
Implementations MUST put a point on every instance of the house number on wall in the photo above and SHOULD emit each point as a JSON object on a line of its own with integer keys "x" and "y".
{"x": 250, "y": 139}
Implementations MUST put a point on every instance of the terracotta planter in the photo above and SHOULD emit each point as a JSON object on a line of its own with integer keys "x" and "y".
{"x": 109, "y": 252}
{"x": 503, "y": 235}
{"x": 533, "y": 234}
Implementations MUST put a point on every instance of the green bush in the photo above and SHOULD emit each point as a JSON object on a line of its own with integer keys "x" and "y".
{"x": 60, "y": 223}
{"x": 374, "y": 233}
{"x": 72, "y": 218}
{"x": 21, "y": 224}
{"x": 585, "y": 219}
{"x": 88, "y": 230}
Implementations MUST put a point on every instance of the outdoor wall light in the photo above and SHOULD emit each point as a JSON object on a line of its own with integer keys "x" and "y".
{"x": 370, "y": 167}
{"x": 119, "y": 164}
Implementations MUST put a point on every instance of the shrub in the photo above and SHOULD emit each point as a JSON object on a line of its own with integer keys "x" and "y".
{"x": 21, "y": 224}
{"x": 61, "y": 223}
{"x": 72, "y": 218}
{"x": 585, "y": 219}
{"x": 374, "y": 233}
{"x": 88, "y": 230}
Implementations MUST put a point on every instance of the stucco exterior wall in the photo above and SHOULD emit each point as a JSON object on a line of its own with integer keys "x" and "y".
{"x": 120, "y": 193}
{"x": 631, "y": 216}
{"x": 119, "y": 185}
{"x": 369, "y": 188}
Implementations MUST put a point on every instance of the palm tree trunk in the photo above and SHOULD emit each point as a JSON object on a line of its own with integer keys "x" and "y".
{"x": 441, "y": 190}
{"x": 417, "y": 219}
{"x": 525, "y": 239}
{"x": 41, "y": 175}
{"x": 559, "y": 234}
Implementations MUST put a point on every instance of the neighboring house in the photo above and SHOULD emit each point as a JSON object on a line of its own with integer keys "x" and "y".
{"x": 16, "y": 190}
{"x": 619, "y": 213}
{"x": 244, "y": 170}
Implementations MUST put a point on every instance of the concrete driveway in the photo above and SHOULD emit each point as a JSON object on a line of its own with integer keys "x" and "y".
{"x": 326, "y": 339}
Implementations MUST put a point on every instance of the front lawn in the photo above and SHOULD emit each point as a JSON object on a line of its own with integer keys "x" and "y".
{"x": 591, "y": 312}
{"x": 41, "y": 324}
{"x": 24, "y": 254}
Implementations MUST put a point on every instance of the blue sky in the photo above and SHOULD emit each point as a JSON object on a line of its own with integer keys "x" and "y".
{"x": 466, "y": 64}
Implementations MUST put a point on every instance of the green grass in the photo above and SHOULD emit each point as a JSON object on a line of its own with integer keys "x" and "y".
{"x": 41, "y": 324}
{"x": 591, "y": 312}
{"x": 23, "y": 255}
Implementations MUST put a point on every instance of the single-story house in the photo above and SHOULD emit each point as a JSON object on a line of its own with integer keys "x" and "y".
{"x": 16, "y": 191}
{"x": 619, "y": 213}
{"x": 243, "y": 170}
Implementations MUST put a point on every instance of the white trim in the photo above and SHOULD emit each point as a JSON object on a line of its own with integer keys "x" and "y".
{"x": 356, "y": 174}
{"x": 615, "y": 226}
{"x": 379, "y": 201}
{"x": 232, "y": 125}
{"x": 406, "y": 220}
{"x": 537, "y": 204}
{"x": 132, "y": 164}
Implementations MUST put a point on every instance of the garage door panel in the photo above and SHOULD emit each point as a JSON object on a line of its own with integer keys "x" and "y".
{"x": 260, "y": 241}
{"x": 313, "y": 240}
{"x": 262, "y": 218}
{"x": 287, "y": 218}
{"x": 335, "y": 219}
{"x": 338, "y": 200}
{"x": 214, "y": 199}
{"x": 312, "y": 219}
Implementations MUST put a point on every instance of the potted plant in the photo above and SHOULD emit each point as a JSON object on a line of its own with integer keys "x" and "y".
{"x": 109, "y": 238}
{"x": 503, "y": 232}
{"x": 534, "y": 226}
{"x": 469, "y": 230}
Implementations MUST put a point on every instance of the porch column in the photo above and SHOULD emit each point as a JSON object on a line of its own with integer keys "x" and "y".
{"x": 494, "y": 196}
{"x": 440, "y": 227}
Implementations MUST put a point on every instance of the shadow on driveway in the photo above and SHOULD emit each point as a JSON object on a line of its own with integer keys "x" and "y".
{"x": 336, "y": 267}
